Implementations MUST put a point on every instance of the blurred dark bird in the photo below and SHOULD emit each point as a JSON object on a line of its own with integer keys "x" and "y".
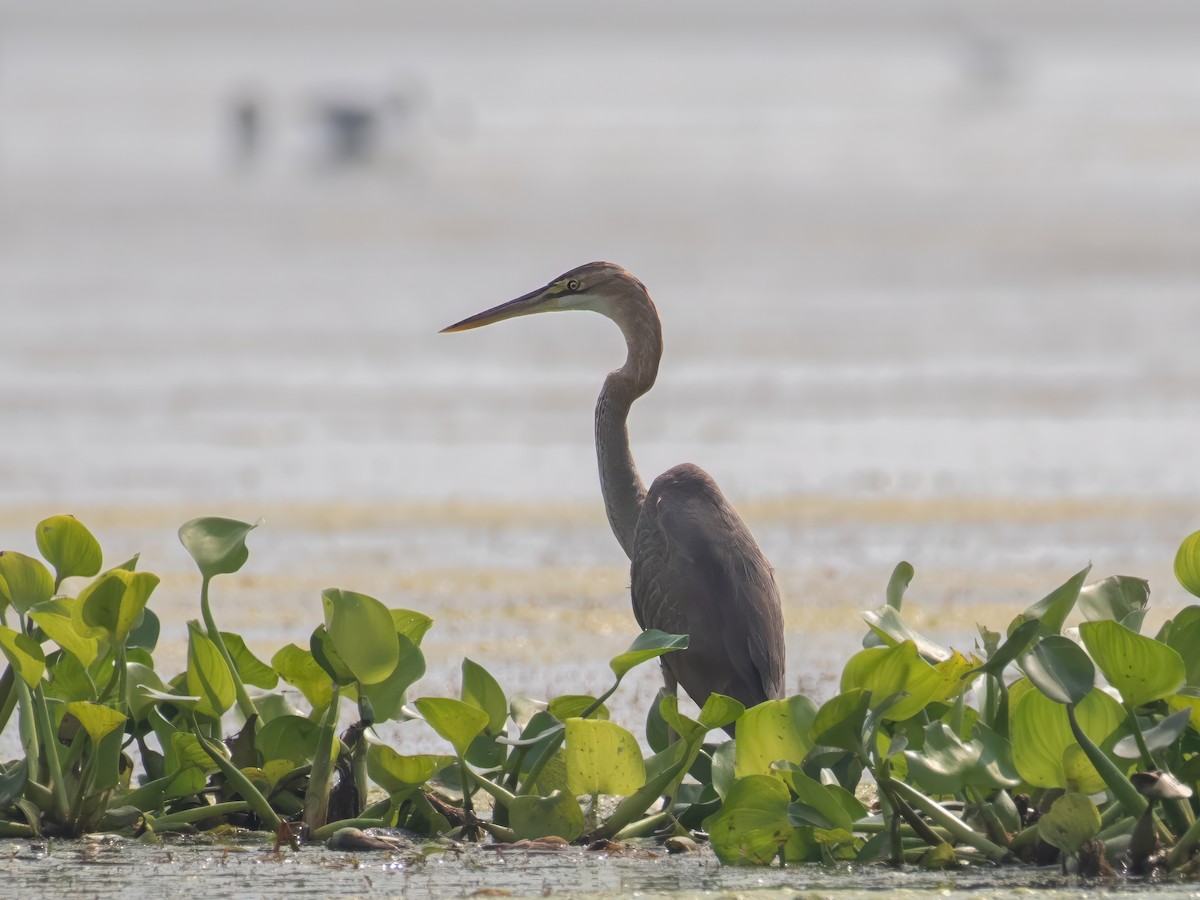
{"x": 696, "y": 568}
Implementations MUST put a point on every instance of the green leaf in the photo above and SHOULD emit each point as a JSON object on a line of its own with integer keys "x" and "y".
{"x": 110, "y": 606}
{"x": 397, "y": 774}
{"x": 1187, "y": 563}
{"x": 208, "y": 676}
{"x": 411, "y": 625}
{"x": 1060, "y": 669}
{"x": 812, "y": 795}
{"x": 1071, "y": 821}
{"x": 889, "y": 629}
{"x": 1015, "y": 644}
{"x": 946, "y": 764}
{"x": 719, "y": 711}
{"x": 24, "y": 581}
{"x": 24, "y": 655}
{"x": 98, "y": 721}
{"x": 840, "y": 720}
{"x": 886, "y": 671}
{"x": 389, "y": 696}
{"x": 1053, "y": 609}
{"x": 902, "y": 577}
{"x": 363, "y": 634}
{"x": 137, "y": 678}
{"x": 217, "y": 545}
{"x": 650, "y": 644}
{"x": 482, "y": 691}
{"x": 57, "y": 618}
{"x": 602, "y": 758}
{"x": 774, "y": 730}
{"x": 569, "y": 706}
{"x": 190, "y": 754}
{"x": 752, "y": 826}
{"x": 558, "y": 815}
{"x": 1184, "y": 636}
{"x": 1118, "y": 597}
{"x": 323, "y": 651}
{"x": 67, "y": 545}
{"x": 144, "y": 633}
{"x": 1140, "y": 668}
{"x": 457, "y": 722}
{"x": 291, "y": 738}
{"x": 252, "y": 669}
{"x": 1044, "y": 749}
{"x": 297, "y": 667}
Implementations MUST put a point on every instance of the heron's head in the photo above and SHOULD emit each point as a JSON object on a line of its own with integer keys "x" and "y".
{"x": 602, "y": 287}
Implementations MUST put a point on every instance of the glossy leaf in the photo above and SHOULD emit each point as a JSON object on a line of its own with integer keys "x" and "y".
{"x": 138, "y": 677}
{"x": 719, "y": 711}
{"x": 569, "y": 706}
{"x": 320, "y": 644}
{"x": 1159, "y": 737}
{"x": 251, "y": 669}
{"x": 217, "y": 545}
{"x": 111, "y": 605}
{"x": 24, "y": 654}
{"x": 413, "y": 625}
{"x": 68, "y": 546}
{"x": 946, "y": 764}
{"x": 1041, "y": 737}
{"x": 208, "y": 676}
{"x": 774, "y": 730}
{"x": 363, "y": 634}
{"x": 397, "y": 774}
{"x": 1015, "y": 645}
{"x": 752, "y": 826}
{"x": 24, "y": 581}
{"x": 887, "y": 671}
{"x": 1118, "y": 597}
{"x": 1140, "y": 668}
{"x": 840, "y": 720}
{"x": 602, "y": 758}
{"x": 1184, "y": 636}
{"x": 889, "y": 628}
{"x": 457, "y": 722}
{"x": 1071, "y": 821}
{"x": 1052, "y": 610}
{"x": 291, "y": 738}
{"x": 98, "y": 721}
{"x": 481, "y": 690}
{"x": 57, "y": 618}
{"x": 557, "y": 815}
{"x": 389, "y": 696}
{"x": 650, "y": 644}
{"x": 1187, "y": 563}
{"x": 812, "y": 795}
{"x": 1060, "y": 669}
{"x": 297, "y": 667}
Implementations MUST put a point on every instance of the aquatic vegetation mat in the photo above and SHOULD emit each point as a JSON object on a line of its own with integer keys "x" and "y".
{"x": 1066, "y": 737}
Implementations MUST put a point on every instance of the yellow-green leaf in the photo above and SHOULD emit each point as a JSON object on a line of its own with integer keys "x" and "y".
{"x": 24, "y": 655}
{"x": 774, "y": 730}
{"x": 57, "y": 618}
{"x": 98, "y": 721}
{"x": 67, "y": 545}
{"x": 208, "y": 675}
{"x": 24, "y": 581}
{"x": 602, "y": 758}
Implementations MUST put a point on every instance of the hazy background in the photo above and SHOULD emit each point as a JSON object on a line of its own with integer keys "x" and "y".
{"x": 928, "y": 273}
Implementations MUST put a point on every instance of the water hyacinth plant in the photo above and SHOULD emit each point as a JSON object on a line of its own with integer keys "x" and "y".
{"x": 1045, "y": 742}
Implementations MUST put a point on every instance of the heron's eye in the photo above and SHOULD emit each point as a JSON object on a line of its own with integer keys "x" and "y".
{"x": 572, "y": 285}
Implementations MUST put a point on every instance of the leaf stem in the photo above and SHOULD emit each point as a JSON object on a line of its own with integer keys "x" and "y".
{"x": 245, "y": 703}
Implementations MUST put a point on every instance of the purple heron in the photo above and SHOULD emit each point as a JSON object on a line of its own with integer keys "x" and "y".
{"x": 695, "y": 567}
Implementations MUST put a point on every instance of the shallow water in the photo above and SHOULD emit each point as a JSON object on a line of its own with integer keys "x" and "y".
{"x": 249, "y": 869}
{"x": 928, "y": 282}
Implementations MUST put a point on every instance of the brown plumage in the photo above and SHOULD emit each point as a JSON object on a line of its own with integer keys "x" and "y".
{"x": 695, "y": 567}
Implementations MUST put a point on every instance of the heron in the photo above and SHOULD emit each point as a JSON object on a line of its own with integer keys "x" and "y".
{"x": 695, "y": 568}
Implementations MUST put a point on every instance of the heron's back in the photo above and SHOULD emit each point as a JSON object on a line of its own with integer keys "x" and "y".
{"x": 697, "y": 570}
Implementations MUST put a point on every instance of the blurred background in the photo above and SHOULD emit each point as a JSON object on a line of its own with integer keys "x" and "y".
{"x": 928, "y": 273}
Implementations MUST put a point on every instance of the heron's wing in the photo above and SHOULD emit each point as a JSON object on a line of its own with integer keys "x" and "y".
{"x": 698, "y": 571}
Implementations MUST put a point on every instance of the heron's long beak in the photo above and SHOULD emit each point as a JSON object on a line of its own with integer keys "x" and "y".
{"x": 537, "y": 301}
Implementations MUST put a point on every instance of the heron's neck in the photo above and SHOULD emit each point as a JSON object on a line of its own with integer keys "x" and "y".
{"x": 620, "y": 483}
